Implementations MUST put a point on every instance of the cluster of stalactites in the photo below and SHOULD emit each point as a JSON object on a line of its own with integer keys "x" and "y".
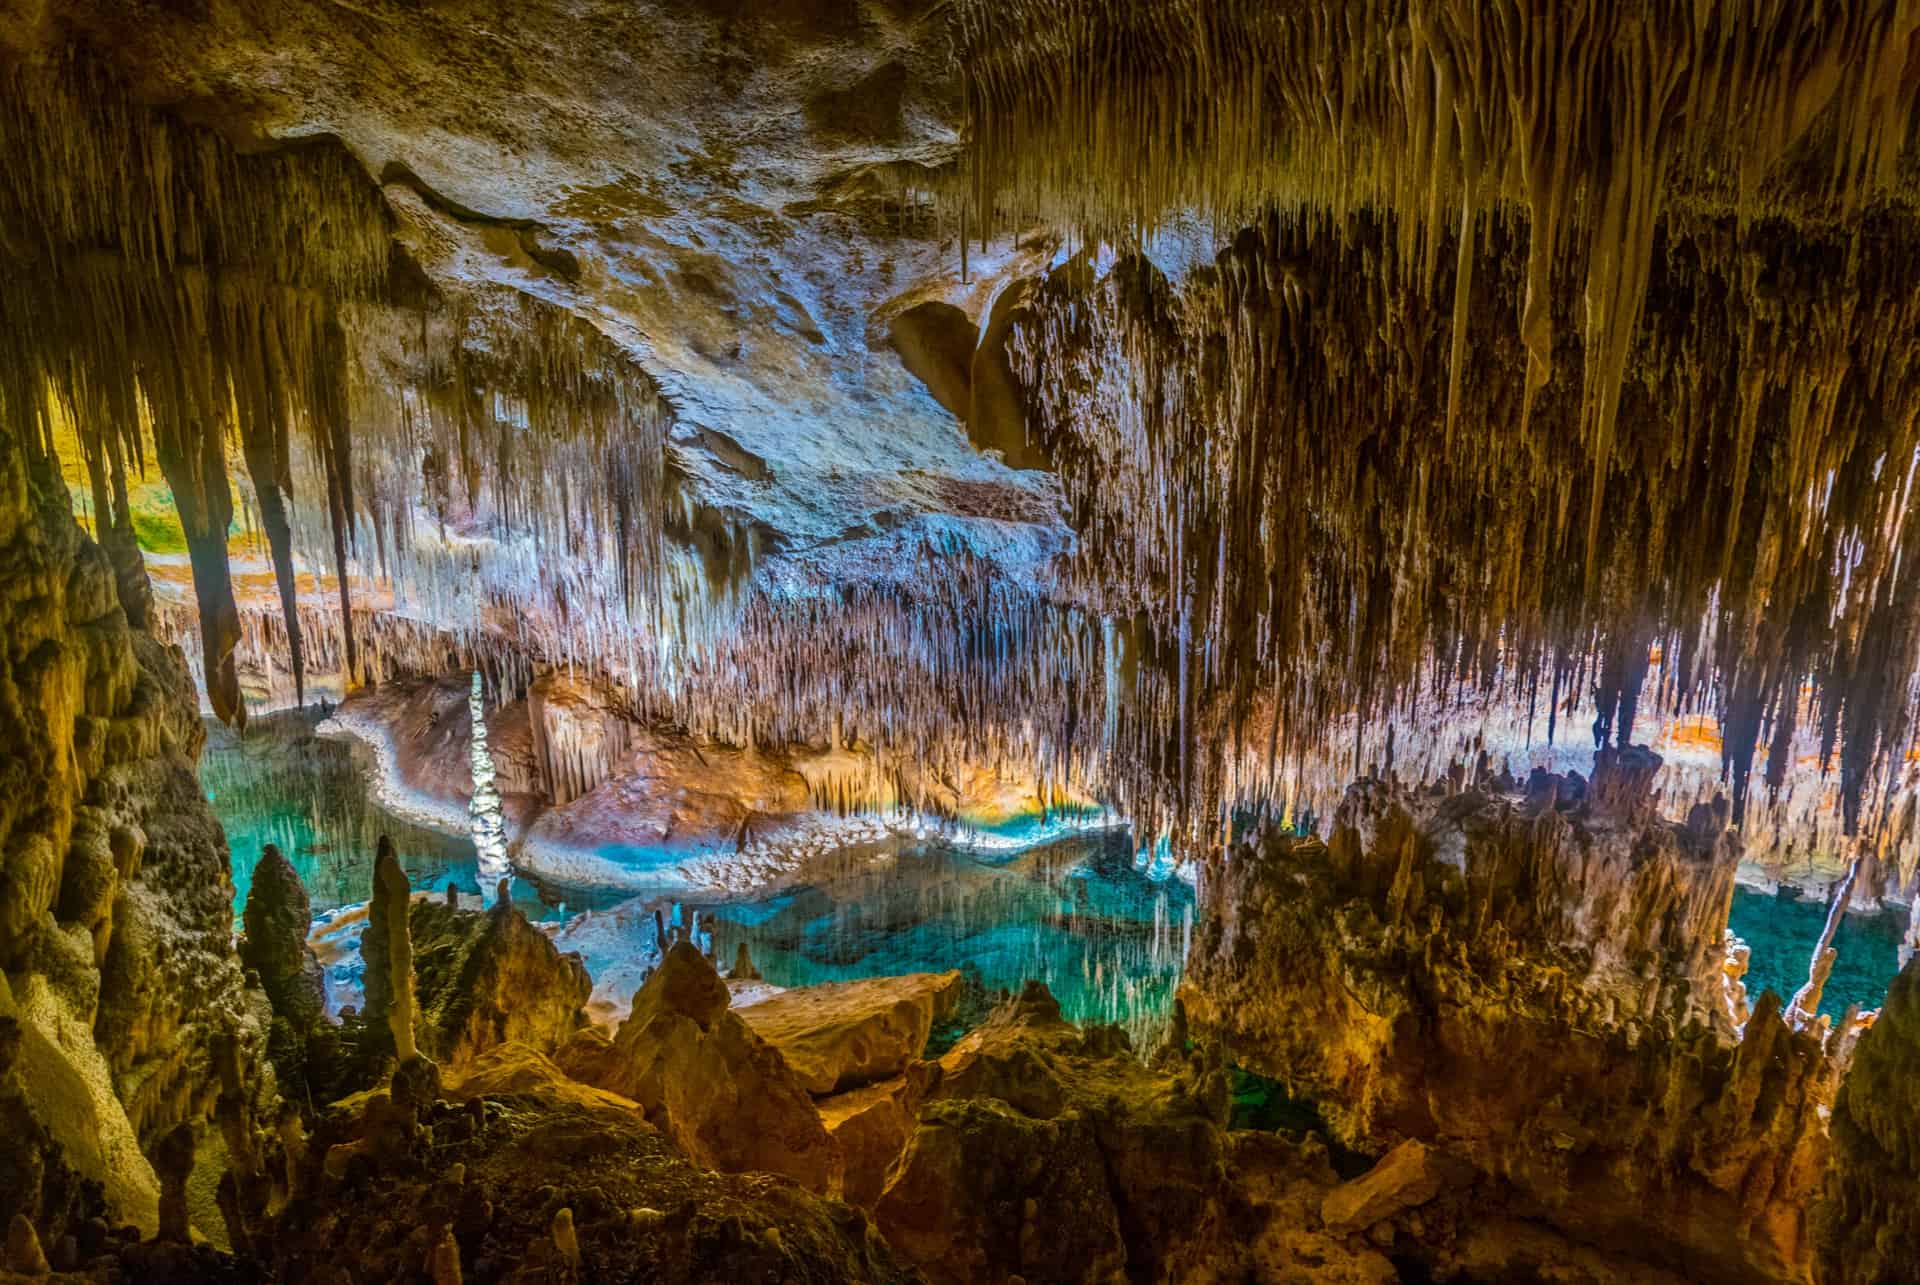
{"x": 1259, "y": 462}
{"x": 171, "y": 297}
{"x": 1571, "y": 127}
{"x": 178, "y": 301}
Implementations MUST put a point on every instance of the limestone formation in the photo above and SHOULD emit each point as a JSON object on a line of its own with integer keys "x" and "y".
{"x": 840, "y": 1035}
{"x": 24, "y": 1254}
{"x": 277, "y": 919}
{"x": 743, "y": 969}
{"x": 1537, "y": 992}
{"x": 115, "y": 912}
{"x": 672, "y": 428}
{"x": 1868, "y": 1207}
{"x": 700, "y": 1073}
{"x": 537, "y": 1178}
{"x": 173, "y": 1159}
{"x": 490, "y": 978}
{"x": 389, "y": 952}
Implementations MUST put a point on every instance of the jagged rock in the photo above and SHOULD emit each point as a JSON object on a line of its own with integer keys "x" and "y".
{"x": 985, "y": 1191}
{"x": 839, "y": 1035}
{"x": 518, "y": 1070}
{"x": 277, "y": 918}
{"x": 1538, "y": 992}
{"x": 1051, "y": 1153}
{"x": 1411, "y": 1174}
{"x": 490, "y": 978}
{"x": 497, "y": 1170}
{"x": 700, "y": 1073}
{"x": 870, "y": 1125}
{"x": 1869, "y": 1210}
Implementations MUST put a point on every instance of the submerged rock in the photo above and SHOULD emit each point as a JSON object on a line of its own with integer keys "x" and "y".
{"x": 840, "y": 1035}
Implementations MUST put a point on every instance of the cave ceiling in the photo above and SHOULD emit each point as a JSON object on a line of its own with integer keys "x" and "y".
{"x": 1149, "y": 393}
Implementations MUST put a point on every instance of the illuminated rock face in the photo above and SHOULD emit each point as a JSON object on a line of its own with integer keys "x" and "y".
{"x": 120, "y": 977}
{"x": 674, "y": 369}
{"x": 1531, "y": 985}
{"x": 704, "y": 1077}
{"x": 491, "y": 978}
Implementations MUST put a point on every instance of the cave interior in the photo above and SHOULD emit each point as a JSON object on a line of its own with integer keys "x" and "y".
{"x": 960, "y": 641}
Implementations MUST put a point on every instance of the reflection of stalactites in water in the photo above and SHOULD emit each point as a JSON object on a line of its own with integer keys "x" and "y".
{"x": 489, "y": 829}
{"x": 1075, "y": 916}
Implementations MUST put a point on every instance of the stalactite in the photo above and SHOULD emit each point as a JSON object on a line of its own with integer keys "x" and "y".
{"x": 1286, "y": 414}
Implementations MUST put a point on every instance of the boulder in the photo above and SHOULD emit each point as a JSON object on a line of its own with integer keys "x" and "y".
{"x": 870, "y": 1125}
{"x": 723, "y": 1094}
{"x": 1408, "y": 1176}
{"x": 841, "y": 1035}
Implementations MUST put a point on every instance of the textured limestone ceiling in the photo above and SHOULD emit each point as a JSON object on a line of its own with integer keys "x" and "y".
{"x": 732, "y": 192}
{"x": 1470, "y": 347}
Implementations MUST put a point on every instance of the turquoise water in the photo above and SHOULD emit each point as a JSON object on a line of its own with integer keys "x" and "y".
{"x": 1073, "y": 912}
{"x": 1782, "y": 931}
{"x": 281, "y": 784}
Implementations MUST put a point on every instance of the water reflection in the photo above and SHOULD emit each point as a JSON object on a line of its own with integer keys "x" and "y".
{"x": 280, "y": 784}
{"x": 1077, "y": 914}
{"x": 1104, "y": 935}
{"x": 1782, "y": 931}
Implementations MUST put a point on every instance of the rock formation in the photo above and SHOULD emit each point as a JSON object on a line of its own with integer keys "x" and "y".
{"x": 770, "y": 412}
{"x": 115, "y": 922}
{"x": 841, "y": 1035}
{"x": 1535, "y": 989}
{"x": 721, "y": 1092}
{"x": 1868, "y": 1211}
{"x": 487, "y": 978}
{"x": 277, "y": 919}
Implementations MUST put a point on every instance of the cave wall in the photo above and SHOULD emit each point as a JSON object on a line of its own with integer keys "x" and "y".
{"x": 116, "y": 948}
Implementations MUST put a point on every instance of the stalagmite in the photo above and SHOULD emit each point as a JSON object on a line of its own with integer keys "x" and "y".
{"x": 1806, "y": 1000}
{"x": 566, "y": 1243}
{"x": 293, "y": 1142}
{"x": 489, "y": 830}
{"x": 444, "y": 1263}
{"x": 173, "y": 1161}
{"x": 24, "y": 1254}
{"x": 387, "y": 934}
